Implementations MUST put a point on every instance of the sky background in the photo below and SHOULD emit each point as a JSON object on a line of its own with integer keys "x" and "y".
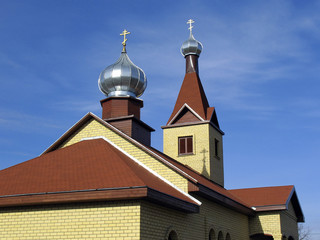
{"x": 259, "y": 66}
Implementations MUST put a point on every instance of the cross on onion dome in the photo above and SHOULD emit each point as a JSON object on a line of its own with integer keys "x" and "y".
{"x": 124, "y": 33}
{"x": 190, "y": 21}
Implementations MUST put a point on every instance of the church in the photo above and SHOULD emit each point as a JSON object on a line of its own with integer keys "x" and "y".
{"x": 102, "y": 179}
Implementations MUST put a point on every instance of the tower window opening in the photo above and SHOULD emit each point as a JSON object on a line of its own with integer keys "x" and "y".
{"x": 185, "y": 145}
{"x": 216, "y": 147}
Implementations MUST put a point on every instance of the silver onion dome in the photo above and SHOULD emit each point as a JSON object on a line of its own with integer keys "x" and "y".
{"x": 123, "y": 78}
{"x": 191, "y": 46}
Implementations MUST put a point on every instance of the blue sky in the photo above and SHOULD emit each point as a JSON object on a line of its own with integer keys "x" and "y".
{"x": 259, "y": 66}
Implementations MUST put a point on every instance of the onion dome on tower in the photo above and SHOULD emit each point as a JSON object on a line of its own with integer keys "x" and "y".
{"x": 123, "y": 82}
{"x": 123, "y": 78}
{"x": 191, "y": 50}
{"x": 191, "y": 46}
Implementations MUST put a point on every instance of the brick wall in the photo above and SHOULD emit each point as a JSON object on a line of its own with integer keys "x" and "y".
{"x": 130, "y": 220}
{"x": 276, "y": 223}
{"x": 157, "y": 221}
{"x": 267, "y": 223}
{"x": 289, "y": 226}
{"x": 223, "y": 219}
{"x": 203, "y": 159}
{"x": 216, "y": 166}
{"x": 112, "y": 220}
{"x": 200, "y": 136}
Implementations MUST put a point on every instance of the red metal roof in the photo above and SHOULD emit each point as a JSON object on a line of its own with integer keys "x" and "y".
{"x": 264, "y": 196}
{"x": 271, "y": 199}
{"x": 86, "y": 165}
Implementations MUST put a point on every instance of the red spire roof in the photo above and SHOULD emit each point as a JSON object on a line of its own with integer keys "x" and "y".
{"x": 192, "y": 94}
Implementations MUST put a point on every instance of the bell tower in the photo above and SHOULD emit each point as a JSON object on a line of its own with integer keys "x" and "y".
{"x": 192, "y": 134}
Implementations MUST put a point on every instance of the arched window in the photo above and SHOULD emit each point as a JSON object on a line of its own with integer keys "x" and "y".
{"x": 173, "y": 235}
{"x": 228, "y": 236}
{"x": 290, "y": 238}
{"x": 220, "y": 236}
{"x": 212, "y": 235}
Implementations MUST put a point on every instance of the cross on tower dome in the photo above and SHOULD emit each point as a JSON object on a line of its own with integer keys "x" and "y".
{"x": 190, "y": 21}
{"x": 123, "y": 78}
{"x": 191, "y": 46}
{"x": 124, "y": 33}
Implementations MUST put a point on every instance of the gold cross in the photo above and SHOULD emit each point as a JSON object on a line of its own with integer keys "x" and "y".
{"x": 190, "y": 21}
{"x": 124, "y": 33}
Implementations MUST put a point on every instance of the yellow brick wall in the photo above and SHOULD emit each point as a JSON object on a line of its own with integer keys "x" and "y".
{"x": 276, "y": 223}
{"x": 203, "y": 141}
{"x": 225, "y": 220}
{"x": 93, "y": 128}
{"x": 216, "y": 166}
{"x": 112, "y": 220}
{"x": 289, "y": 226}
{"x": 157, "y": 221}
{"x": 267, "y": 223}
{"x": 129, "y": 220}
{"x": 200, "y": 134}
